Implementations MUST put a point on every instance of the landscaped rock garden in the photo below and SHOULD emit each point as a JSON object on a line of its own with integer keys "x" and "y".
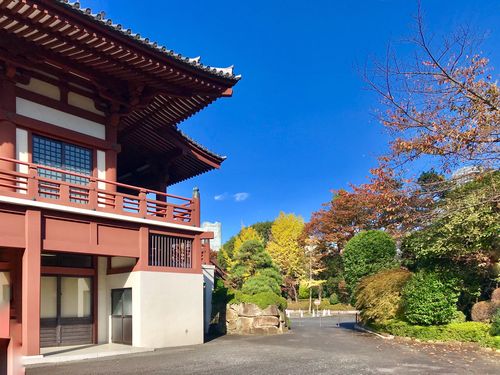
{"x": 248, "y": 318}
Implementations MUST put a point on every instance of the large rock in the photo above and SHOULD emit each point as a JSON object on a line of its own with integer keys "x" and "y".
{"x": 271, "y": 310}
{"x": 266, "y": 321}
{"x": 245, "y": 324}
{"x": 231, "y": 314}
{"x": 266, "y": 330}
{"x": 248, "y": 318}
{"x": 249, "y": 309}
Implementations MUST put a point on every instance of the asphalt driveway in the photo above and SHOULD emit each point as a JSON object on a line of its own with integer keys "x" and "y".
{"x": 314, "y": 346}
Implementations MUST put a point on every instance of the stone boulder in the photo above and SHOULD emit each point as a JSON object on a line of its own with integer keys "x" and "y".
{"x": 250, "y": 319}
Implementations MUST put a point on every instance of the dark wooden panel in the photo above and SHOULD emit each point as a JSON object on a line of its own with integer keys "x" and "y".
{"x": 76, "y": 334}
{"x": 3, "y": 356}
{"x": 67, "y": 334}
{"x": 48, "y": 336}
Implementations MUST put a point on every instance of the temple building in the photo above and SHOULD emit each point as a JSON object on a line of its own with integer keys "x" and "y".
{"x": 92, "y": 247}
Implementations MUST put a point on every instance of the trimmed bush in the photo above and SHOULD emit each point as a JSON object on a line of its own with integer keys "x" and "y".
{"x": 303, "y": 304}
{"x": 379, "y": 296}
{"x": 483, "y": 311}
{"x": 367, "y": 253}
{"x": 428, "y": 298}
{"x": 334, "y": 299}
{"x": 259, "y": 284}
{"x": 459, "y": 317}
{"x": 263, "y": 299}
{"x": 495, "y": 323}
{"x": 467, "y": 332}
{"x": 495, "y": 296}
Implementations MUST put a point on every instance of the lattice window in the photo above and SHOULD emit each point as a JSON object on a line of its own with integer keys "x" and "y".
{"x": 168, "y": 251}
{"x": 65, "y": 156}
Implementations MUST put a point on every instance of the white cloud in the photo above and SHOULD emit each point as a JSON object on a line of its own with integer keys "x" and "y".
{"x": 220, "y": 197}
{"x": 240, "y": 197}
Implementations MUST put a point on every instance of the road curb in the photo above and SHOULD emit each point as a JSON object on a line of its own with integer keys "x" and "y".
{"x": 363, "y": 329}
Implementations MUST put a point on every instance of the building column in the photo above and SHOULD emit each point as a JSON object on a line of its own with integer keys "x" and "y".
{"x": 112, "y": 154}
{"x": 31, "y": 284}
{"x": 196, "y": 214}
{"x": 7, "y": 148}
{"x": 143, "y": 261}
{"x": 7, "y": 128}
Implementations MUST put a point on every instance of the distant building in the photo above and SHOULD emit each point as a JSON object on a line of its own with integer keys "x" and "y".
{"x": 216, "y": 227}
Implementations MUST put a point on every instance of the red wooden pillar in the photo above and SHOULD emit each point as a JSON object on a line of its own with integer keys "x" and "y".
{"x": 142, "y": 263}
{"x": 196, "y": 218}
{"x": 7, "y": 150}
{"x": 112, "y": 154}
{"x": 7, "y": 128}
{"x": 31, "y": 284}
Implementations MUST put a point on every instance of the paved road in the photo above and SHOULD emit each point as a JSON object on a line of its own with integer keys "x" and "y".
{"x": 310, "y": 348}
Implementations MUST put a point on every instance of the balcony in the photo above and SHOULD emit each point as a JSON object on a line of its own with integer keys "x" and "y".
{"x": 50, "y": 185}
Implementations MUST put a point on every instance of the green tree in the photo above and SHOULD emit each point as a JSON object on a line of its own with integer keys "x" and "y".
{"x": 286, "y": 250}
{"x": 430, "y": 298}
{"x": 367, "y": 253}
{"x": 263, "y": 228}
{"x": 253, "y": 262}
{"x": 461, "y": 239}
{"x": 229, "y": 253}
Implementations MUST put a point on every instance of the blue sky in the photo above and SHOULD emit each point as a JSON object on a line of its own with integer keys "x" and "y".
{"x": 300, "y": 122}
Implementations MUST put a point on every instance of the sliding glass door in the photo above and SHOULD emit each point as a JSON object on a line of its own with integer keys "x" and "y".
{"x": 66, "y": 310}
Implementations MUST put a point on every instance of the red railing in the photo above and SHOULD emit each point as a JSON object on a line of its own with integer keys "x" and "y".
{"x": 34, "y": 182}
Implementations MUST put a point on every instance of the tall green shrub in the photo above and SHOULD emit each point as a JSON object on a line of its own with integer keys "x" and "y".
{"x": 379, "y": 296}
{"x": 367, "y": 253}
{"x": 430, "y": 298}
{"x": 495, "y": 324}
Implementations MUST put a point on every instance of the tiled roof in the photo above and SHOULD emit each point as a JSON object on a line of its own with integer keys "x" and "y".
{"x": 195, "y": 62}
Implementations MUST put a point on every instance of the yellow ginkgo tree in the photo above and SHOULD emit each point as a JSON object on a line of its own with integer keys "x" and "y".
{"x": 286, "y": 250}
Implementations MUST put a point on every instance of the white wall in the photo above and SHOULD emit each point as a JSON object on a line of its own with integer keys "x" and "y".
{"x": 22, "y": 154}
{"x": 167, "y": 308}
{"x": 208, "y": 280}
{"x": 172, "y": 306}
{"x": 55, "y": 117}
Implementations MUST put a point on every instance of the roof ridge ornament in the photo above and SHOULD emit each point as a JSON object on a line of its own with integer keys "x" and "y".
{"x": 195, "y": 60}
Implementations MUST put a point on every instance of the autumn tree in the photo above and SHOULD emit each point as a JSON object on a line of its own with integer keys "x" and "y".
{"x": 382, "y": 203}
{"x": 285, "y": 249}
{"x": 443, "y": 103}
{"x": 315, "y": 266}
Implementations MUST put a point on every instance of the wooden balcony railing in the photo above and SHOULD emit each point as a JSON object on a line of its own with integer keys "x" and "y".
{"x": 46, "y": 184}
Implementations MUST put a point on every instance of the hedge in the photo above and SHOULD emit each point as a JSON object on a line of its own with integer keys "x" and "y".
{"x": 262, "y": 300}
{"x": 303, "y": 304}
{"x": 465, "y": 332}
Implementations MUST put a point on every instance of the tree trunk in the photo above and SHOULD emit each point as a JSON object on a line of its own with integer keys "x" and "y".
{"x": 310, "y": 300}
{"x": 296, "y": 297}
